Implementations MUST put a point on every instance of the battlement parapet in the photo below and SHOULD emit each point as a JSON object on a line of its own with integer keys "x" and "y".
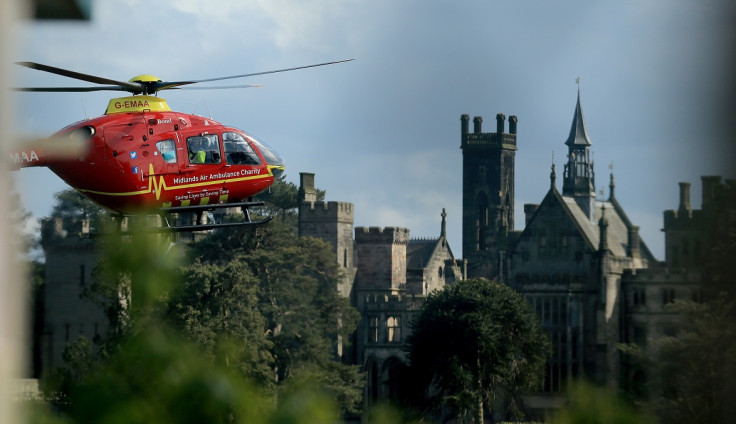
{"x": 321, "y": 210}
{"x": 56, "y": 229}
{"x": 490, "y": 140}
{"x": 478, "y": 138}
{"x": 682, "y": 218}
{"x": 660, "y": 275}
{"x": 392, "y": 301}
{"x": 382, "y": 235}
{"x": 423, "y": 240}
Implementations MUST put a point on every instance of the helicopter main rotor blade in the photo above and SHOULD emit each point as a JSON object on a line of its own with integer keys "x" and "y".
{"x": 70, "y": 89}
{"x": 168, "y": 85}
{"x": 142, "y": 87}
{"x": 123, "y": 85}
{"x": 218, "y": 87}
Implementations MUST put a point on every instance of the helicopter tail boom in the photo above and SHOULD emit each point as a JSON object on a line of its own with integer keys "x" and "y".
{"x": 38, "y": 152}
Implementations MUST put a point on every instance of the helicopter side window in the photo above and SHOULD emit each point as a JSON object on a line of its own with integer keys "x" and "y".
{"x": 167, "y": 148}
{"x": 238, "y": 151}
{"x": 204, "y": 149}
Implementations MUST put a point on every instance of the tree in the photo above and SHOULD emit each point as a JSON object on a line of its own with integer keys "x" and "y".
{"x": 183, "y": 355}
{"x": 697, "y": 367}
{"x": 216, "y": 307}
{"x": 473, "y": 343}
{"x": 305, "y": 316}
{"x": 255, "y": 305}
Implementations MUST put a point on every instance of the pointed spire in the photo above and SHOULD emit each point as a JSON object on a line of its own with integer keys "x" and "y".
{"x": 578, "y": 133}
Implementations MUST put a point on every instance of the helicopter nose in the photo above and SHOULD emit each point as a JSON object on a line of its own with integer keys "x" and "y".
{"x": 273, "y": 159}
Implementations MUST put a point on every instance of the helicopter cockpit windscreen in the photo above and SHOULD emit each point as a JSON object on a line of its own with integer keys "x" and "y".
{"x": 272, "y": 158}
{"x": 238, "y": 151}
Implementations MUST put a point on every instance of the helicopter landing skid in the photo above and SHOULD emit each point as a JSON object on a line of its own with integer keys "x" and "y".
{"x": 199, "y": 225}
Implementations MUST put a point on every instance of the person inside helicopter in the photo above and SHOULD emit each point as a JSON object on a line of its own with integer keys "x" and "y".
{"x": 238, "y": 151}
{"x": 196, "y": 151}
{"x": 204, "y": 149}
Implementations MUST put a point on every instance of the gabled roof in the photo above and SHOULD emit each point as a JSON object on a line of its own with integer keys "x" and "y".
{"x": 420, "y": 251}
{"x": 578, "y": 133}
{"x": 618, "y": 223}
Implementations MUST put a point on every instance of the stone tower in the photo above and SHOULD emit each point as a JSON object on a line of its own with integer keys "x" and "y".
{"x": 331, "y": 222}
{"x": 71, "y": 256}
{"x": 488, "y": 194}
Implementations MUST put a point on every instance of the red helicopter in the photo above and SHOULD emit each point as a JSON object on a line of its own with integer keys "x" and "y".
{"x": 142, "y": 157}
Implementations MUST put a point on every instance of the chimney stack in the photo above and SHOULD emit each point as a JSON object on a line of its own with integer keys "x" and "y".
{"x": 307, "y": 192}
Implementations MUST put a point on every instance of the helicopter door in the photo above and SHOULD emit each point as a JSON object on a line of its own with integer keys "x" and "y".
{"x": 118, "y": 138}
{"x": 203, "y": 160}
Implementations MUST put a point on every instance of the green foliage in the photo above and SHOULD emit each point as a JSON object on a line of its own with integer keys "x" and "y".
{"x": 194, "y": 345}
{"x": 593, "y": 405}
{"x": 242, "y": 326}
{"x": 481, "y": 342}
{"x": 154, "y": 377}
{"x": 298, "y": 300}
{"x": 689, "y": 376}
{"x": 697, "y": 367}
{"x": 216, "y": 307}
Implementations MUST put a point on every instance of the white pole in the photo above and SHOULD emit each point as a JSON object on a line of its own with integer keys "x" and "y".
{"x": 13, "y": 288}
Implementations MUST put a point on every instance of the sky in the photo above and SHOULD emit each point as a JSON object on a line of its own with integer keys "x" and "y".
{"x": 383, "y": 131}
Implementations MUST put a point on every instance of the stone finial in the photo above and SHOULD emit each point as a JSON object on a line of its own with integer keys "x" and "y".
{"x": 477, "y": 125}
{"x": 443, "y": 229}
{"x": 500, "y": 120}
{"x": 512, "y": 124}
